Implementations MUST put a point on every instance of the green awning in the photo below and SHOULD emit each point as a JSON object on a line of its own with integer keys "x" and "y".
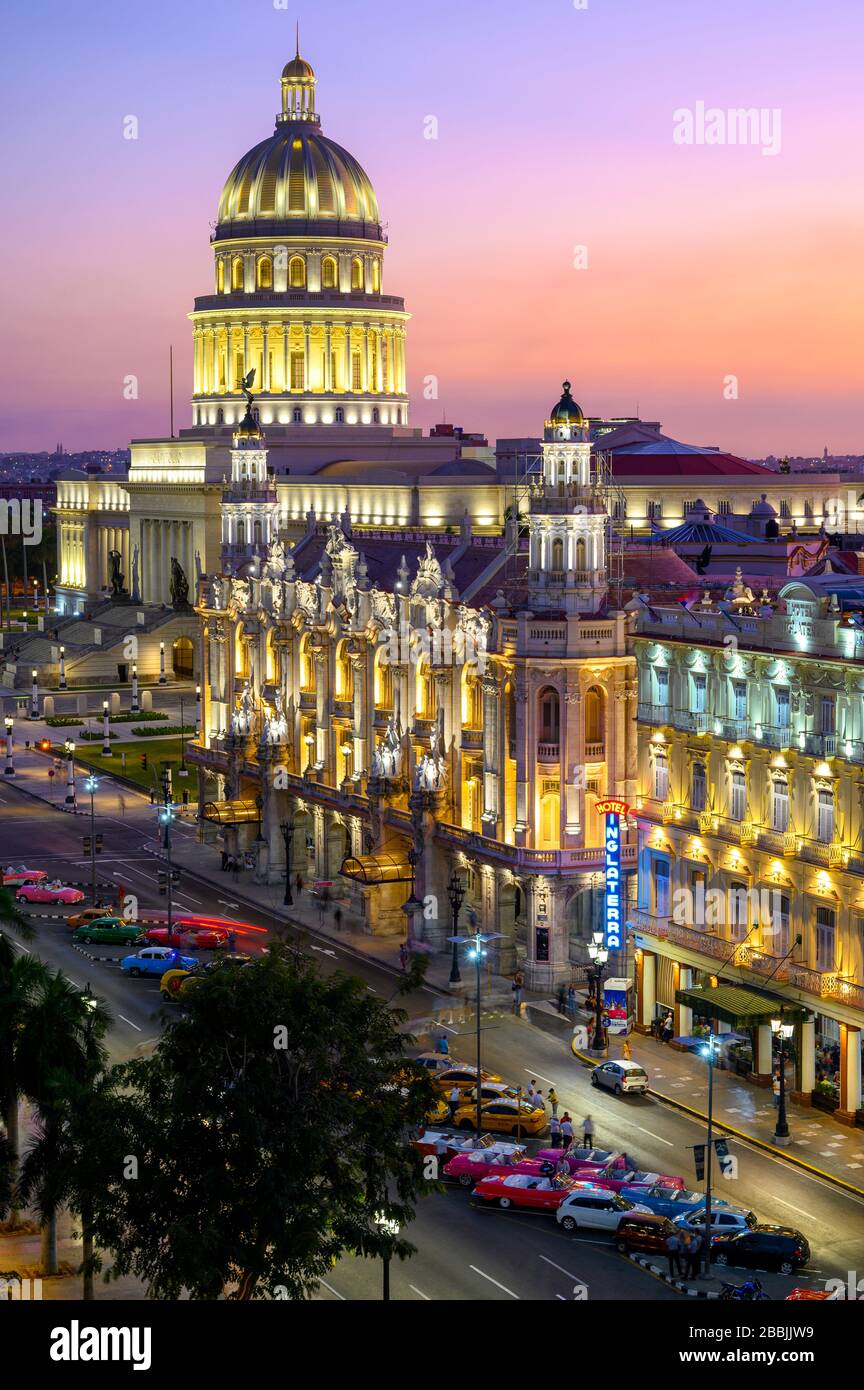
{"x": 742, "y": 1007}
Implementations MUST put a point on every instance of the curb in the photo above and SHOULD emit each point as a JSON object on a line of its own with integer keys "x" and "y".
{"x": 645, "y": 1263}
{"x": 742, "y": 1134}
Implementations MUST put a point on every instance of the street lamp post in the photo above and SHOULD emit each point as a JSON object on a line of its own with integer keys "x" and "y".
{"x": 599, "y": 955}
{"x": 106, "y": 731}
{"x": 69, "y": 748}
{"x": 390, "y": 1229}
{"x": 456, "y": 893}
{"x": 287, "y": 829}
{"x": 182, "y": 767}
{"x": 476, "y": 944}
{"x": 62, "y": 681}
{"x": 135, "y": 707}
{"x": 91, "y": 786}
{"x": 346, "y": 750}
{"x": 9, "y": 769}
{"x": 709, "y": 1052}
{"x": 166, "y": 816}
{"x": 782, "y": 1031}
{"x": 161, "y": 663}
{"x": 34, "y": 695}
{"x": 197, "y": 711}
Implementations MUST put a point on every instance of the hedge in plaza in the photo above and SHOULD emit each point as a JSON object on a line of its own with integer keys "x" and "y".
{"x": 63, "y": 721}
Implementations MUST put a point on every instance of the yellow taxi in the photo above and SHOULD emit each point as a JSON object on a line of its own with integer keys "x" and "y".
{"x": 438, "y": 1114}
{"x": 506, "y": 1115}
{"x": 93, "y": 914}
{"x": 461, "y": 1075}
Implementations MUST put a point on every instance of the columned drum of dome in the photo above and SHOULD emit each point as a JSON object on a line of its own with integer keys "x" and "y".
{"x": 299, "y": 285}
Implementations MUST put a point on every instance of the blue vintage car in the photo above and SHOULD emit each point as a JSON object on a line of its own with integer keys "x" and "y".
{"x": 667, "y": 1201}
{"x": 155, "y": 960}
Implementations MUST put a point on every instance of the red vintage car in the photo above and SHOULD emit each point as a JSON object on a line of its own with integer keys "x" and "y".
{"x": 186, "y": 936}
{"x": 525, "y": 1190}
{"x": 616, "y": 1178}
{"x": 48, "y": 893}
{"x": 12, "y": 877}
{"x": 499, "y": 1160}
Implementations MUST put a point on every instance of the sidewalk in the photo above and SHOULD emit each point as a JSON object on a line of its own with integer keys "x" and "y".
{"x": 747, "y": 1111}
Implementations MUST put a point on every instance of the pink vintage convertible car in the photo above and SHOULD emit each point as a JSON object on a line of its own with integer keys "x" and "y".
{"x": 12, "y": 877}
{"x": 48, "y": 893}
{"x": 496, "y": 1161}
{"x": 590, "y": 1159}
{"x": 616, "y": 1178}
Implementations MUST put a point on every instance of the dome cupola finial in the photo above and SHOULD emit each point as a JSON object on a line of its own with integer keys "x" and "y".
{"x": 298, "y": 89}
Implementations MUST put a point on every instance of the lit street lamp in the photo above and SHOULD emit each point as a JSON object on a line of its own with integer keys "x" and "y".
{"x": 309, "y": 740}
{"x": 106, "y": 732}
{"x": 346, "y": 750}
{"x": 135, "y": 707}
{"x": 391, "y": 1229}
{"x": 9, "y": 770}
{"x": 62, "y": 681}
{"x": 782, "y": 1032}
{"x": 599, "y": 955}
{"x": 34, "y": 696}
{"x": 197, "y": 711}
{"x": 476, "y": 952}
{"x": 91, "y": 785}
{"x": 456, "y": 893}
{"x": 709, "y": 1051}
{"x": 69, "y": 748}
{"x": 161, "y": 663}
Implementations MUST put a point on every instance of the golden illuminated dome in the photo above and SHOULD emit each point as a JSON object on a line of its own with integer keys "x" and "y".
{"x": 298, "y": 180}
{"x": 566, "y": 411}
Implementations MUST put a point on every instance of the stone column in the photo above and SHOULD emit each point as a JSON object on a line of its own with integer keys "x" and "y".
{"x": 572, "y": 760}
{"x": 328, "y": 357}
{"x": 850, "y": 1074}
{"x": 523, "y": 761}
{"x": 684, "y": 1026}
{"x": 806, "y": 1062}
{"x": 265, "y": 356}
{"x": 547, "y": 933}
{"x": 306, "y": 332}
{"x": 764, "y": 1062}
{"x": 646, "y": 988}
{"x": 286, "y": 362}
{"x": 492, "y": 760}
{"x": 348, "y": 382}
{"x": 318, "y": 831}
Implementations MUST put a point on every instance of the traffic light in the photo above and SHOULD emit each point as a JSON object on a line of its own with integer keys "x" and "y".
{"x": 98, "y": 844}
{"x": 142, "y": 758}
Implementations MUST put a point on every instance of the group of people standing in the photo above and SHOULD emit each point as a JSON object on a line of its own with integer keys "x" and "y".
{"x": 684, "y": 1253}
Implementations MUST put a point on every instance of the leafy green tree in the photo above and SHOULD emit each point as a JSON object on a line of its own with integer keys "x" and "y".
{"x": 59, "y": 1044}
{"x": 268, "y": 1133}
{"x": 18, "y": 977}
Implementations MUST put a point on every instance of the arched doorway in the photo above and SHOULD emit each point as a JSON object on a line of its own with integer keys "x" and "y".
{"x": 183, "y": 658}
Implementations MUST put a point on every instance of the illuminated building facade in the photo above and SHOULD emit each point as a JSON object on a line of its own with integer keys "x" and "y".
{"x": 373, "y": 698}
{"x": 749, "y": 805}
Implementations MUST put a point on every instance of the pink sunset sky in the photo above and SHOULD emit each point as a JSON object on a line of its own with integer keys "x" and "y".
{"x": 555, "y": 131}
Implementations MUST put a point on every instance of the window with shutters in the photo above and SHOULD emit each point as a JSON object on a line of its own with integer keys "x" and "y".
{"x": 298, "y": 375}
{"x": 661, "y": 887}
{"x": 780, "y": 805}
{"x": 737, "y": 911}
{"x": 825, "y": 815}
{"x": 328, "y": 273}
{"x": 781, "y": 699}
{"x": 825, "y": 927}
{"x": 297, "y": 272}
{"x": 661, "y": 776}
{"x": 661, "y": 676}
{"x": 738, "y": 796}
{"x": 356, "y": 372}
{"x": 700, "y": 686}
{"x": 739, "y": 699}
{"x": 698, "y": 787}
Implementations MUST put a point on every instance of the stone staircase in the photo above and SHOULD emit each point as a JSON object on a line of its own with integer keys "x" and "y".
{"x": 111, "y": 636}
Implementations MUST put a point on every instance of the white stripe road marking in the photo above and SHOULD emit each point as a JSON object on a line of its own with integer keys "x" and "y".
{"x": 420, "y": 1293}
{"x": 658, "y": 1137}
{"x": 547, "y": 1079}
{"x": 131, "y": 1024}
{"x": 493, "y": 1281}
{"x": 335, "y": 1292}
{"x": 577, "y": 1277}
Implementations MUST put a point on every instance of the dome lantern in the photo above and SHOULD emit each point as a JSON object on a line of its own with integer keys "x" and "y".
{"x": 298, "y": 89}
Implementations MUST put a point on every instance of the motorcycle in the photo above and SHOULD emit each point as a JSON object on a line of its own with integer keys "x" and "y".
{"x": 751, "y": 1291}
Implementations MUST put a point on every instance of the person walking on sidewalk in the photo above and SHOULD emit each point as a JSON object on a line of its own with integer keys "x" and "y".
{"x": 552, "y": 1097}
{"x": 337, "y": 917}
{"x": 588, "y": 1132}
{"x": 442, "y": 1045}
{"x": 517, "y": 987}
{"x": 694, "y": 1255}
{"x": 627, "y": 1051}
{"x": 566, "y": 1130}
{"x": 531, "y": 1092}
{"x": 403, "y": 956}
{"x": 298, "y": 884}
{"x": 554, "y": 1132}
{"x": 775, "y": 1086}
{"x": 571, "y": 1001}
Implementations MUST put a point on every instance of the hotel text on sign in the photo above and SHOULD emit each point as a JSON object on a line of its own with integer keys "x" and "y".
{"x": 613, "y": 810}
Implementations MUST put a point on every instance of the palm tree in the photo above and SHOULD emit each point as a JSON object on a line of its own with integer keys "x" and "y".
{"x": 60, "y": 1044}
{"x": 19, "y": 977}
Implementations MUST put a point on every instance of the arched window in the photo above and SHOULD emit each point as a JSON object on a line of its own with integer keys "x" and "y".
{"x": 220, "y": 276}
{"x": 424, "y": 697}
{"x": 510, "y": 718}
{"x": 241, "y": 532}
{"x": 237, "y": 273}
{"x": 297, "y": 272}
{"x": 557, "y": 553}
{"x": 376, "y": 276}
{"x": 344, "y": 673}
{"x": 340, "y": 415}
{"x": 297, "y": 416}
{"x": 241, "y": 652}
{"x": 306, "y": 664}
{"x": 357, "y": 274}
{"x": 264, "y": 273}
{"x": 472, "y": 698}
{"x": 580, "y": 554}
{"x": 329, "y": 273}
{"x": 595, "y": 716}
{"x": 220, "y": 416}
{"x": 549, "y": 711}
{"x": 383, "y": 679}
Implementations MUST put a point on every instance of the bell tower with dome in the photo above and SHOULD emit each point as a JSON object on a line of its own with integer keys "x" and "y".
{"x": 299, "y": 286}
{"x": 567, "y": 519}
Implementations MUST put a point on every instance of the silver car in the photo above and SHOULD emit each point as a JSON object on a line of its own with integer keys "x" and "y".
{"x": 726, "y": 1221}
{"x": 620, "y": 1077}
